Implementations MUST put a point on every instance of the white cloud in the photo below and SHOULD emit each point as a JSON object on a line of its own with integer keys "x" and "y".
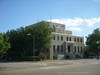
{"x": 75, "y": 23}
{"x": 96, "y": 0}
{"x": 75, "y": 29}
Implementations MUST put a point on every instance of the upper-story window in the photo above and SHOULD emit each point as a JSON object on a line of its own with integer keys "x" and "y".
{"x": 80, "y": 39}
{"x": 57, "y": 37}
{"x": 70, "y": 38}
{"x": 62, "y": 38}
{"x": 74, "y": 39}
{"x": 77, "y": 39}
{"x": 67, "y": 38}
{"x": 54, "y": 37}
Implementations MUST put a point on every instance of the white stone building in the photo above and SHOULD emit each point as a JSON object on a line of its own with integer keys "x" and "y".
{"x": 64, "y": 44}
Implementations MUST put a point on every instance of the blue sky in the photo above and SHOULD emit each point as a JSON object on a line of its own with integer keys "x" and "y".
{"x": 80, "y": 16}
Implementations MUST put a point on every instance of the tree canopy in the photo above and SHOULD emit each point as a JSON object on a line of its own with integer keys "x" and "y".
{"x": 92, "y": 40}
{"x": 42, "y": 33}
{"x": 4, "y": 44}
{"x": 22, "y": 44}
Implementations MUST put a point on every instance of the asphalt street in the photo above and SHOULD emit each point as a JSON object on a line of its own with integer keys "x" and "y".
{"x": 69, "y": 67}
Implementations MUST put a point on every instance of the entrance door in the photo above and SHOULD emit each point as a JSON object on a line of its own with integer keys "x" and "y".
{"x": 68, "y": 48}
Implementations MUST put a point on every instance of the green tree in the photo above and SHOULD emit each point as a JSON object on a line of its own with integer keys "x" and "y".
{"x": 22, "y": 44}
{"x": 4, "y": 45}
{"x": 92, "y": 39}
{"x": 42, "y": 33}
{"x": 86, "y": 51}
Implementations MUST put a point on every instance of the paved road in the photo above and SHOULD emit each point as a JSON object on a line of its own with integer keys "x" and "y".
{"x": 73, "y": 67}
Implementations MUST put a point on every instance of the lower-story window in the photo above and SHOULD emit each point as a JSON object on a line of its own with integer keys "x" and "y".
{"x": 78, "y": 49}
{"x": 81, "y": 49}
{"x": 54, "y": 48}
{"x": 75, "y": 49}
{"x": 58, "y": 48}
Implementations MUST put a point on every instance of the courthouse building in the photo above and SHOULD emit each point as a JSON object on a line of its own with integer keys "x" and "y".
{"x": 65, "y": 45}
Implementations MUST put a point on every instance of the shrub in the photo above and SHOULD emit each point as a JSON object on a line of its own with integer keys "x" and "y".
{"x": 42, "y": 56}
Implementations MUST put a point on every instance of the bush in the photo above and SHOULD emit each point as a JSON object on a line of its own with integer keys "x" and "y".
{"x": 42, "y": 56}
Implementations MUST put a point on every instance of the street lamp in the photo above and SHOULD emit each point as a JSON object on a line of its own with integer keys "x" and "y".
{"x": 33, "y": 45}
{"x": 98, "y": 47}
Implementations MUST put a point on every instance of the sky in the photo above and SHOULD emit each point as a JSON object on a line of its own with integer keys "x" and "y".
{"x": 79, "y": 16}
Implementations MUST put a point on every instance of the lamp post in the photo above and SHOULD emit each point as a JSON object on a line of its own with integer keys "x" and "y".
{"x": 33, "y": 45}
{"x": 98, "y": 47}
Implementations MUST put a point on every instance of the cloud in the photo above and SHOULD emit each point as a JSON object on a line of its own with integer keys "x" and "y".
{"x": 75, "y": 29}
{"x": 77, "y": 21}
{"x": 96, "y": 0}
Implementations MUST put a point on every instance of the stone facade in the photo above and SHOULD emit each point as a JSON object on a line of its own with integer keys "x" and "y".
{"x": 64, "y": 44}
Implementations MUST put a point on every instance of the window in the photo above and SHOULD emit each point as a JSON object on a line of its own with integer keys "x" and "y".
{"x": 81, "y": 49}
{"x": 53, "y": 37}
{"x": 62, "y": 38}
{"x": 54, "y": 48}
{"x": 74, "y": 39}
{"x": 58, "y": 48}
{"x": 68, "y": 48}
{"x": 70, "y": 38}
{"x": 77, "y": 39}
{"x": 75, "y": 49}
{"x": 57, "y": 37}
{"x": 67, "y": 38}
{"x": 80, "y": 39}
{"x": 62, "y": 48}
{"x": 78, "y": 49}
